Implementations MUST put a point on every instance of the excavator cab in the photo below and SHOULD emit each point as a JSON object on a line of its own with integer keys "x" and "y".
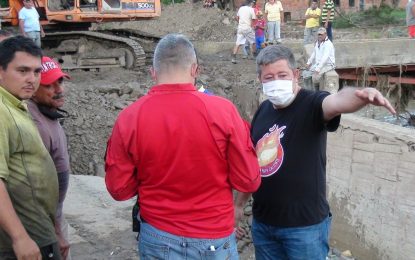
{"x": 82, "y": 11}
{"x": 70, "y": 38}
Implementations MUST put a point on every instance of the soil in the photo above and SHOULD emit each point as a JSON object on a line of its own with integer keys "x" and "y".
{"x": 94, "y": 99}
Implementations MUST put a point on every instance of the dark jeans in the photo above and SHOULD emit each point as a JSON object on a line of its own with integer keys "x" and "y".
{"x": 50, "y": 252}
{"x": 329, "y": 30}
{"x": 295, "y": 243}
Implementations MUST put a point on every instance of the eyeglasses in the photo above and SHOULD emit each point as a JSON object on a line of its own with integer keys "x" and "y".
{"x": 320, "y": 34}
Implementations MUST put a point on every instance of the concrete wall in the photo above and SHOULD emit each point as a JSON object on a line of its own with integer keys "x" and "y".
{"x": 374, "y": 52}
{"x": 371, "y": 189}
{"x": 352, "y": 54}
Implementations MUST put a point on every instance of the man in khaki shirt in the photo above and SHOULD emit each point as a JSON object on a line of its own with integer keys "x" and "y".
{"x": 28, "y": 180}
{"x": 275, "y": 17}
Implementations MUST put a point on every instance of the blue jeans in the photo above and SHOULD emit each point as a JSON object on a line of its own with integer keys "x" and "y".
{"x": 274, "y": 31}
{"x": 329, "y": 30}
{"x": 35, "y": 36}
{"x": 157, "y": 244}
{"x": 310, "y": 35}
{"x": 259, "y": 40}
{"x": 296, "y": 243}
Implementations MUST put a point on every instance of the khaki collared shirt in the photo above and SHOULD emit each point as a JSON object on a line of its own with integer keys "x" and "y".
{"x": 27, "y": 171}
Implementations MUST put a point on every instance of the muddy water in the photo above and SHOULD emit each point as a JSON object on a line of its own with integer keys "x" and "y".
{"x": 381, "y": 114}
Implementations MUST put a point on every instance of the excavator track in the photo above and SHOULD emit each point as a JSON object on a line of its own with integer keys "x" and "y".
{"x": 135, "y": 57}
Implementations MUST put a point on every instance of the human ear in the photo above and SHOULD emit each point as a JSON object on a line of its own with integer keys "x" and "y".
{"x": 153, "y": 74}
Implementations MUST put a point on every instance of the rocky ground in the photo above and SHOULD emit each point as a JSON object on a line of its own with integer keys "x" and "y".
{"x": 101, "y": 230}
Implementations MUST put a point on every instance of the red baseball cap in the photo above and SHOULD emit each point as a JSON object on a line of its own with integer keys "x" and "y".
{"x": 51, "y": 71}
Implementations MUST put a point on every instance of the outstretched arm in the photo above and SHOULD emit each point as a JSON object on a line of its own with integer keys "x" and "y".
{"x": 24, "y": 247}
{"x": 349, "y": 100}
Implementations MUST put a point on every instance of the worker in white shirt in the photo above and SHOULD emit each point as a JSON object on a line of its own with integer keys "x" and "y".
{"x": 322, "y": 59}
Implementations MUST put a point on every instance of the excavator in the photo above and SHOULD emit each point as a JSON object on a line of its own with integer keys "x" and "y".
{"x": 71, "y": 39}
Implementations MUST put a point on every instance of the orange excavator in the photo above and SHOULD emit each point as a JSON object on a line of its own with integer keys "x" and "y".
{"x": 69, "y": 36}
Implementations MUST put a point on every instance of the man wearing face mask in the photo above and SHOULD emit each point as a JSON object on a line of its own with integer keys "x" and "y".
{"x": 289, "y": 130}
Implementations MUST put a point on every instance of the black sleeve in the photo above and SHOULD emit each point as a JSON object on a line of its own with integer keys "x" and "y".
{"x": 329, "y": 126}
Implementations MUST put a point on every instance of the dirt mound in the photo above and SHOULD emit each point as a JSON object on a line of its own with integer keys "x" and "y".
{"x": 190, "y": 19}
{"x": 93, "y": 101}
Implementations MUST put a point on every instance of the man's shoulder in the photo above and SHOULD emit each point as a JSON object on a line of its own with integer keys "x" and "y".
{"x": 329, "y": 44}
{"x": 34, "y": 111}
{"x": 216, "y": 100}
{"x": 4, "y": 108}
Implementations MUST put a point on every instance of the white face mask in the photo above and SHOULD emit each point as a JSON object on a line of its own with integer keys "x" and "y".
{"x": 279, "y": 92}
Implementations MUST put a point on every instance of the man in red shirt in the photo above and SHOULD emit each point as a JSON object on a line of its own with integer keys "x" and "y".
{"x": 182, "y": 152}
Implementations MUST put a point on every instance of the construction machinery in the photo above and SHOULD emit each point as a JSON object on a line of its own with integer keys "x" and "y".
{"x": 69, "y": 37}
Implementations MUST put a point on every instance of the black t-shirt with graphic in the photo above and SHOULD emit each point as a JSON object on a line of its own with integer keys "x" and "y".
{"x": 291, "y": 148}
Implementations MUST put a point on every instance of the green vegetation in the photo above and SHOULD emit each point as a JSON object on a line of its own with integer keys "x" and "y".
{"x": 375, "y": 16}
{"x": 4, "y": 3}
{"x": 167, "y": 2}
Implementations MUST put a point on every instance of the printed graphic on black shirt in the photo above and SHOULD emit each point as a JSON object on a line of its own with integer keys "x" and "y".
{"x": 270, "y": 151}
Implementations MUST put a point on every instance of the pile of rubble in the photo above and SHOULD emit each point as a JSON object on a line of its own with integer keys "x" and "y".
{"x": 92, "y": 110}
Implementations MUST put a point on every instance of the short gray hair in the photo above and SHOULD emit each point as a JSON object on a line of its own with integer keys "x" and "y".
{"x": 173, "y": 50}
{"x": 274, "y": 53}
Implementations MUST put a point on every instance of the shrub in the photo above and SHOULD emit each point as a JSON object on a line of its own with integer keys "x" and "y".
{"x": 167, "y": 2}
{"x": 374, "y": 16}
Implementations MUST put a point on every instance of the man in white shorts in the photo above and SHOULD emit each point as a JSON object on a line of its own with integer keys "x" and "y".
{"x": 245, "y": 17}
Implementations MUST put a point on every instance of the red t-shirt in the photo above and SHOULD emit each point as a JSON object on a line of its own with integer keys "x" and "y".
{"x": 258, "y": 31}
{"x": 183, "y": 152}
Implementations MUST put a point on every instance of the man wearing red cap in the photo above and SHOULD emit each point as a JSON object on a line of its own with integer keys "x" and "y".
{"x": 45, "y": 107}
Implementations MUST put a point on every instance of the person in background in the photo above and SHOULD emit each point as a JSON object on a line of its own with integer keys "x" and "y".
{"x": 256, "y": 7}
{"x": 182, "y": 152}
{"x": 246, "y": 18}
{"x": 259, "y": 32}
{"x": 45, "y": 108}
{"x": 322, "y": 59}
{"x": 410, "y": 18}
{"x": 312, "y": 16}
{"x": 28, "y": 179}
{"x": 327, "y": 17}
{"x": 291, "y": 215}
{"x": 274, "y": 16}
{"x": 29, "y": 22}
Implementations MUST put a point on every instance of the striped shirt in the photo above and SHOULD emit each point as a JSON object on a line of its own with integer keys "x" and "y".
{"x": 328, "y": 6}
